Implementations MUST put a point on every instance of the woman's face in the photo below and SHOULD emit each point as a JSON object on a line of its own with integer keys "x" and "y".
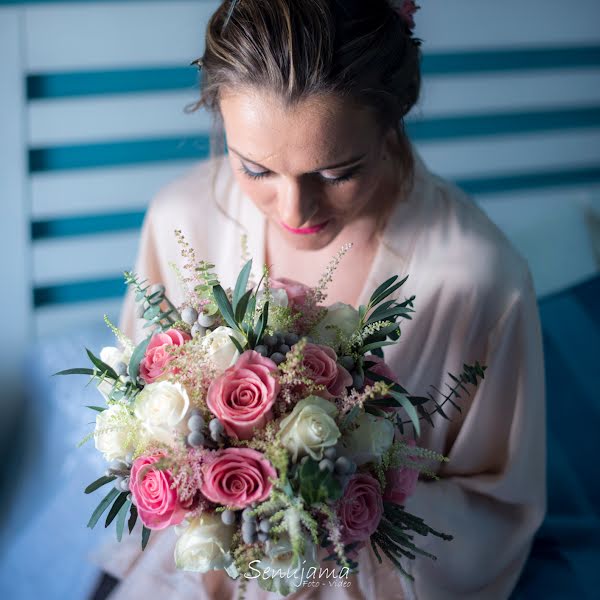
{"x": 312, "y": 170}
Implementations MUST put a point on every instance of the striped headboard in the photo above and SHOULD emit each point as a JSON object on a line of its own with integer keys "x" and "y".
{"x": 92, "y": 99}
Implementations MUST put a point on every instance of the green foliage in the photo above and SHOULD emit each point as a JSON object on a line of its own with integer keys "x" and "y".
{"x": 315, "y": 485}
{"x": 145, "y": 536}
{"x": 104, "y": 504}
{"x": 99, "y": 483}
{"x": 115, "y": 508}
{"x": 155, "y": 316}
{"x": 136, "y": 358}
{"x": 121, "y": 516}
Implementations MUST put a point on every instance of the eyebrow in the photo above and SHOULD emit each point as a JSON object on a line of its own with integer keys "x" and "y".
{"x": 344, "y": 163}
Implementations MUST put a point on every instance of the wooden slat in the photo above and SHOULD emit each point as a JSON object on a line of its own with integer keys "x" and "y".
{"x": 114, "y": 118}
{"x": 115, "y": 34}
{"x": 83, "y": 257}
{"x": 93, "y": 191}
{"x": 465, "y": 24}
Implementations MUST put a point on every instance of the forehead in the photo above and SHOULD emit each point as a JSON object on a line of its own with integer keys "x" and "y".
{"x": 316, "y": 131}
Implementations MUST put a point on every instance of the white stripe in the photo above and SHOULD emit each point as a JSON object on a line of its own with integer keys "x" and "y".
{"x": 465, "y": 24}
{"x": 108, "y": 35}
{"x": 56, "y": 320}
{"x": 83, "y": 257}
{"x": 114, "y": 118}
{"x": 527, "y": 90}
{"x": 98, "y": 191}
{"x": 512, "y": 155}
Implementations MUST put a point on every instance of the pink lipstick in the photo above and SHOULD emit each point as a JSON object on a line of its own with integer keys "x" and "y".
{"x": 305, "y": 230}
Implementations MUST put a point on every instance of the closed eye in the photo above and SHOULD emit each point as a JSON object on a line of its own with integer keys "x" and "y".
{"x": 255, "y": 175}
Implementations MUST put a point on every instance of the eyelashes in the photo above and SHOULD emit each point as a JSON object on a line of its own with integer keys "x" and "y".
{"x": 329, "y": 180}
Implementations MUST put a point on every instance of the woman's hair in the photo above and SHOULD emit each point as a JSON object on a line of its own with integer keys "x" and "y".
{"x": 359, "y": 50}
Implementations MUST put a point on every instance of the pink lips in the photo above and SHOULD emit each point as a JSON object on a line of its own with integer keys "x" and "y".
{"x": 305, "y": 230}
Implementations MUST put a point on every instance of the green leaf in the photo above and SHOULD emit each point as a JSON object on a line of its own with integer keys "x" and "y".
{"x": 391, "y": 290}
{"x": 411, "y": 411}
{"x": 241, "y": 284}
{"x": 97, "y": 408}
{"x": 374, "y": 345}
{"x": 104, "y": 504}
{"x": 240, "y": 309}
{"x": 102, "y": 366}
{"x": 236, "y": 344}
{"x": 99, "y": 483}
{"x": 316, "y": 485}
{"x": 145, "y": 536}
{"x": 133, "y": 515}
{"x": 394, "y": 312}
{"x": 115, "y": 508}
{"x": 224, "y": 306}
{"x": 136, "y": 358}
{"x": 381, "y": 288}
{"x": 121, "y": 516}
{"x": 76, "y": 372}
{"x": 262, "y": 322}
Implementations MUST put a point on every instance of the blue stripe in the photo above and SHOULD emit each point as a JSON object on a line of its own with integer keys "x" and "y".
{"x": 106, "y": 154}
{"x": 458, "y": 63}
{"x": 109, "y": 154}
{"x": 508, "y": 183}
{"x": 503, "y": 124}
{"x": 86, "y": 225}
{"x": 79, "y": 291}
{"x": 125, "y": 81}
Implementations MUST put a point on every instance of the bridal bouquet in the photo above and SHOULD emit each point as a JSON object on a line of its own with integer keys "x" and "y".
{"x": 263, "y": 426}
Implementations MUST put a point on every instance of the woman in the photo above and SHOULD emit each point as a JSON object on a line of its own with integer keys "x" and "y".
{"x": 312, "y": 95}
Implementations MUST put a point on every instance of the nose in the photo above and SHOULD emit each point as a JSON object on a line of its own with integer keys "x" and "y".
{"x": 297, "y": 202}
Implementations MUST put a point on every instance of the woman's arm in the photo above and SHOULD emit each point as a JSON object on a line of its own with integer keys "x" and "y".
{"x": 492, "y": 493}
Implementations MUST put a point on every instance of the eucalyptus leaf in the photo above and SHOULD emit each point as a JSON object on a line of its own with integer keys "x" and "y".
{"x": 411, "y": 411}
{"x": 104, "y": 504}
{"x": 133, "y": 515}
{"x": 381, "y": 288}
{"x": 99, "y": 483}
{"x": 97, "y": 408}
{"x": 121, "y": 516}
{"x": 236, "y": 344}
{"x": 224, "y": 306}
{"x": 374, "y": 345}
{"x": 136, "y": 358}
{"x": 390, "y": 290}
{"x": 262, "y": 322}
{"x": 115, "y": 508}
{"x": 240, "y": 309}
{"x": 102, "y": 366}
{"x": 145, "y": 536}
{"x": 241, "y": 284}
{"x": 90, "y": 372}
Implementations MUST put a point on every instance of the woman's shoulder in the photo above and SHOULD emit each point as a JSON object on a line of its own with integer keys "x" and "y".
{"x": 468, "y": 251}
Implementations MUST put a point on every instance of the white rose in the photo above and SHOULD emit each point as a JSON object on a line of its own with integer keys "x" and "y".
{"x": 373, "y": 436}
{"x": 310, "y": 428}
{"x": 341, "y": 320}
{"x": 112, "y": 357}
{"x": 204, "y": 544}
{"x": 220, "y": 349}
{"x": 161, "y": 409}
{"x": 279, "y": 572}
{"x": 113, "y": 433}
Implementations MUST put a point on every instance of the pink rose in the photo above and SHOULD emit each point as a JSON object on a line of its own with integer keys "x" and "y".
{"x": 242, "y": 397}
{"x": 157, "y": 353}
{"x": 238, "y": 477}
{"x": 401, "y": 481}
{"x": 360, "y": 509}
{"x": 156, "y": 502}
{"x": 297, "y": 292}
{"x": 322, "y": 367}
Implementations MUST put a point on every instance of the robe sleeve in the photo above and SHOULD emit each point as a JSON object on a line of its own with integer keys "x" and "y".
{"x": 491, "y": 496}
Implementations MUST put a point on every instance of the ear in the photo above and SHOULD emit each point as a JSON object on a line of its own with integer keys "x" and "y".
{"x": 391, "y": 145}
